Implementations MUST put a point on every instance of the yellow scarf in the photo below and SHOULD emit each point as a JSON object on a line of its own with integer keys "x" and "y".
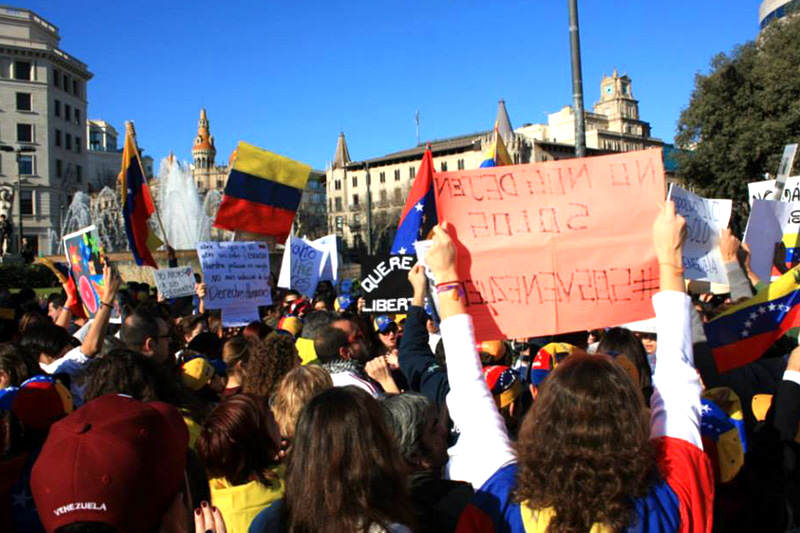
{"x": 537, "y": 521}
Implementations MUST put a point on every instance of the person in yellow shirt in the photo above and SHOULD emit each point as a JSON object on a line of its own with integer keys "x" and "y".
{"x": 239, "y": 444}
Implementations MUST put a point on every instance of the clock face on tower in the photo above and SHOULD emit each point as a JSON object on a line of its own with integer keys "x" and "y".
{"x": 607, "y": 89}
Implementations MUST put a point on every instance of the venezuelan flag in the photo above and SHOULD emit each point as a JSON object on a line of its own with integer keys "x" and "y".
{"x": 137, "y": 204}
{"x": 723, "y": 433}
{"x": 496, "y": 155}
{"x": 742, "y": 333}
{"x": 262, "y": 192}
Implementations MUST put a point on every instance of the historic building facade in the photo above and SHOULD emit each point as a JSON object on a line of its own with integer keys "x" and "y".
{"x": 43, "y": 98}
{"x": 613, "y": 126}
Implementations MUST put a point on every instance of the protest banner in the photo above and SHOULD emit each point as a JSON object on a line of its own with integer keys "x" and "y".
{"x": 236, "y": 274}
{"x": 384, "y": 280}
{"x": 301, "y": 266}
{"x": 330, "y": 267}
{"x": 174, "y": 282}
{"x": 705, "y": 218}
{"x": 84, "y": 258}
{"x": 557, "y": 246}
{"x": 770, "y": 223}
{"x": 238, "y": 315}
{"x": 785, "y": 168}
{"x": 765, "y": 190}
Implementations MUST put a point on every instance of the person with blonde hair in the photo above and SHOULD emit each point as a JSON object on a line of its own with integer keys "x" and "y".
{"x": 294, "y": 391}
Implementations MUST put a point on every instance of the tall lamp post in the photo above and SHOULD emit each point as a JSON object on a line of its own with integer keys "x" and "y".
{"x": 19, "y": 151}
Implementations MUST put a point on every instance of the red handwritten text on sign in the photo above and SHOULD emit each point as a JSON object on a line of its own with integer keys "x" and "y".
{"x": 557, "y": 246}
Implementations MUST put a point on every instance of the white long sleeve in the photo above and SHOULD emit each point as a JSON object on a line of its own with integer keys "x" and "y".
{"x": 483, "y": 446}
{"x": 675, "y": 404}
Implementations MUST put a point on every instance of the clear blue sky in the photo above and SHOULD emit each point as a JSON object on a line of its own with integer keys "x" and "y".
{"x": 288, "y": 76}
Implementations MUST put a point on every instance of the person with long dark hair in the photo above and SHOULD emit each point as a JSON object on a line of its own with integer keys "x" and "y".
{"x": 344, "y": 472}
{"x": 239, "y": 444}
{"x": 586, "y": 458}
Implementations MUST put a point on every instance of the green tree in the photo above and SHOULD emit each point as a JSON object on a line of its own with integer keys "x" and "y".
{"x": 741, "y": 115}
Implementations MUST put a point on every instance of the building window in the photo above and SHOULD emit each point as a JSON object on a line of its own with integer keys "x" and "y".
{"x": 384, "y": 196}
{"x": 460, "y": 164}
{"x": 59, "y": 168}
{"x": 67, "y": 112}
{"x": 56, "y": 78}
{"x": 22, "y": 70}
{"x": 382, "y": 177}
{"x": 78, "y": 173}
{"x": 25, "y": 133}
{"x": 58, "y": 137}
{"x": 337, "y": 185}
{"x": 443, "y": 166}
{"x": 220, "y": 184}
{"x": 68, "y": 141}
{"x": 338, "y": 203}
{"x": 65, "y": 85}
{"x": 57, "y": 109}
{"x": 23, "y": 101}
{"x": 397, "y": 174}
{"x": 26, "y": 165}
{"x": 75, "y": 87}
{"x": 355, "y": 200}
{"x": 77, "y": 145}
{"x": 26, "y": 201}
{"x": 398, "y": 194}
{"x": 77, "y": 116}
{"x": 355, "y": 181}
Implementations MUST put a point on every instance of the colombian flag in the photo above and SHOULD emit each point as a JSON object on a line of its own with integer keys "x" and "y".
{"x": 742, "y": 333}
{"x": 137, "y": 204}
{"x": 497, "y": 155}
{"x": 262, "y": 193}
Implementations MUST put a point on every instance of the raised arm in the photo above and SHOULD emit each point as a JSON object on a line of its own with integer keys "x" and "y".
{"x": 676, "y": 397}
{"x": 97, "y": 331}
{"x": 483, "y": 446}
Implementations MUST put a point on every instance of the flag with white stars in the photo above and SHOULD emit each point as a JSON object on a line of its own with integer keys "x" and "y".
{"x": 742, "y": 333}
{"x": 419, "y": 213}
{"x": 722, "y": 430}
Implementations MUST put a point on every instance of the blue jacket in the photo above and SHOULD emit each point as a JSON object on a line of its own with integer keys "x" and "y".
{"x": 423, "y": 373}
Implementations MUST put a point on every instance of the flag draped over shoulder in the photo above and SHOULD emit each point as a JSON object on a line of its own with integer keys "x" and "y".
{"x": 496, "y": 155}
{"x": 419, "y": 214}
{"x": 742, "y": 333}
{"x": 137, "y": 204}
{"x": 262, "y": 193}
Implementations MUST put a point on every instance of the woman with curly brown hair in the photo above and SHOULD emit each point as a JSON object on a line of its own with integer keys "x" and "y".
{"x": 586, "y": 458}
{"x": 269, "y": 361}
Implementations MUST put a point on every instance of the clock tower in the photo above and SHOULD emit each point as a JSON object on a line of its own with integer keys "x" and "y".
{"x": 618, "y": 104}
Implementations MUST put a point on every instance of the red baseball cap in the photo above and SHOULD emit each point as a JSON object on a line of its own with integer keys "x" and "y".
{"x": 116, "y": 460}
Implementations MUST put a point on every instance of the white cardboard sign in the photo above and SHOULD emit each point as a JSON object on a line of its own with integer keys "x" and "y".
{"x": 235, "y": 272}
{"x": 765, "y": 190}
{"x": 301, "y": 266}
{"x": 174, "y": 282}
{"x": 705, "y": 218}
{"x": 769, "y": 223}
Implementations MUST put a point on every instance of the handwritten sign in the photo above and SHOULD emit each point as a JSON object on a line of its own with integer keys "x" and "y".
{"x": 557, "y": 246}
{"x": 235, "y": 273}
{"x": 384, "y": 280}
{"x": 330, "y": 267}
{"x": 174, "y": 282}
{"x": 235, "y": 316}
{"x": 785, "y": 168}
{"x": 765, "y": 190}
{"x": 705, "y": 218}
{"x": 772, "y": 222}
{"x": 301, "y": 266}
{"x": 84, "y": 258}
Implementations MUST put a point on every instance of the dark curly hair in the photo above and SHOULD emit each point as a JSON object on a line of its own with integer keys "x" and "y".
{"x": 584, "y": 448}
{"x": 269, "y": 361}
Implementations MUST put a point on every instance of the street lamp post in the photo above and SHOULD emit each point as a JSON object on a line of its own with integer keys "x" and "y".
{"x": 19, "y": 151}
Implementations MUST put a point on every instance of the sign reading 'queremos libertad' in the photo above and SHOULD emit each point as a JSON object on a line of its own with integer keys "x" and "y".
{"x": 384, "y": 280}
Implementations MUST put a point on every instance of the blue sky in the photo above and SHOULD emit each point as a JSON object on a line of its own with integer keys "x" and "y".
{"x": 288, "y": 76}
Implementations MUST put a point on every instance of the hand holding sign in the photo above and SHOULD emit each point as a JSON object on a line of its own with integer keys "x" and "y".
{"x": 441, "y": 257}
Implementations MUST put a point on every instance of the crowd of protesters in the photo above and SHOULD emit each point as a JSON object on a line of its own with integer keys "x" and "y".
{"x": 152, "y": 416}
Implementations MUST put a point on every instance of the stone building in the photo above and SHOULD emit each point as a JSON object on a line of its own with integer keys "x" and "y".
{"x": 613, "y": 126}
{"x": 44, "y": 100}
{"x": 207, "y": 174}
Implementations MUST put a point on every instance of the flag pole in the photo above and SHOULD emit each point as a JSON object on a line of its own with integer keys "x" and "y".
{"x": 130, "y": 129}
